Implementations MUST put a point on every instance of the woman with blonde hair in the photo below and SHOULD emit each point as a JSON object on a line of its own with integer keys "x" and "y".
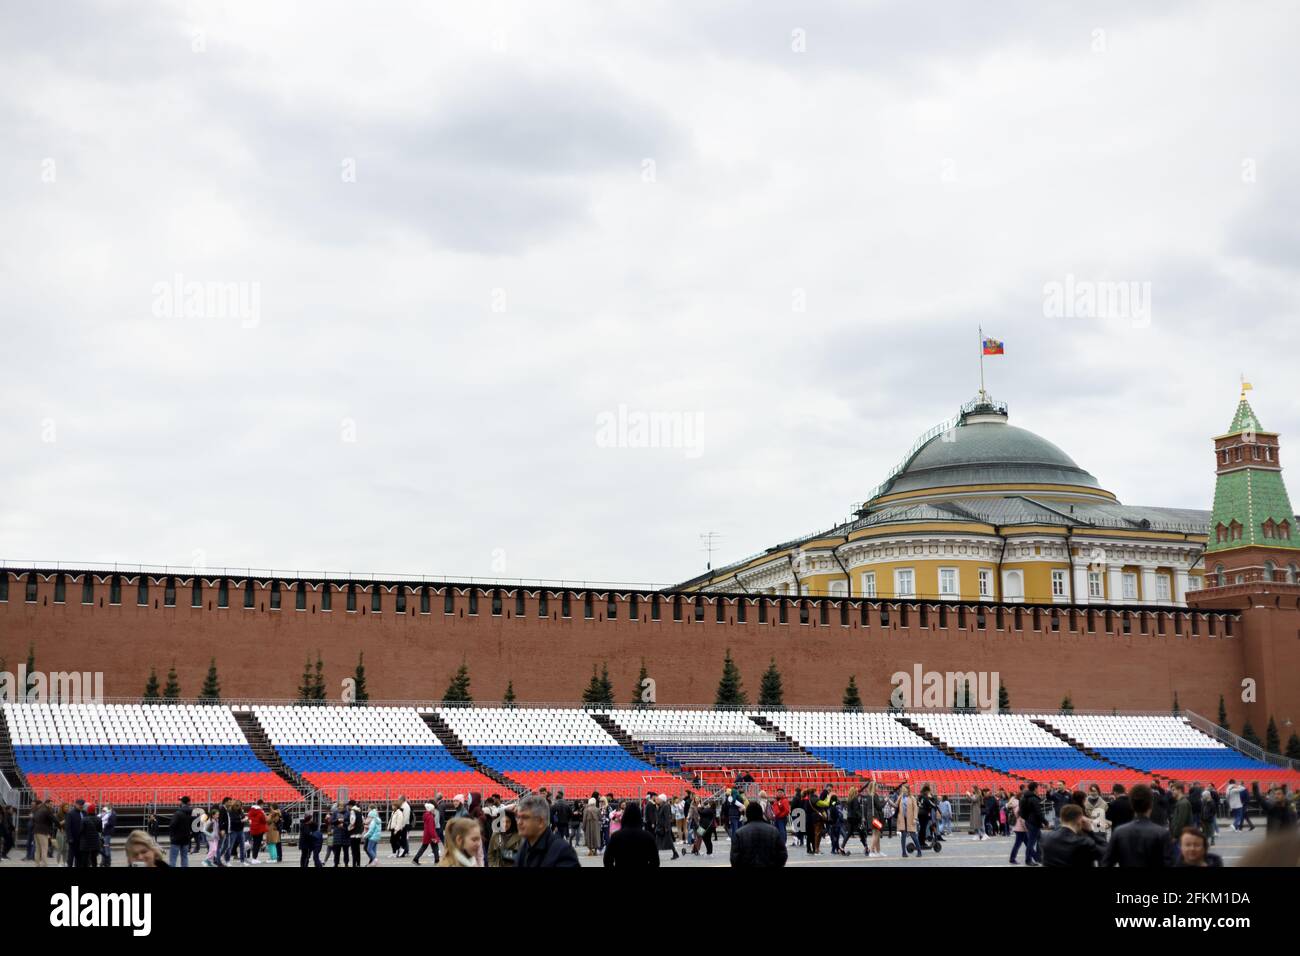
{"x": 143, "y": 850}
{"x": 464, "y": 839}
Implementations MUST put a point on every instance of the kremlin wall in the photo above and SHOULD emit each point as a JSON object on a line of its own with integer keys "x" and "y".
{"x": 991, "y": 552}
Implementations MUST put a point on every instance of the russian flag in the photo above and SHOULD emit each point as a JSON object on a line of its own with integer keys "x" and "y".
{"x": 993, "y": 347}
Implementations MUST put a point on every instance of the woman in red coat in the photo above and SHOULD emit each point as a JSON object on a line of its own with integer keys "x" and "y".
{"x": 256, "y": 828}
{"x": 430, "y": 834}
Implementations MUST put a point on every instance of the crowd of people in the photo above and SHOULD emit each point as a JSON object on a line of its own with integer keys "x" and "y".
{"x": 1147, "y": 825}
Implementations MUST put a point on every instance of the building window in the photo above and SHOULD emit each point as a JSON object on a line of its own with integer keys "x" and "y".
{"x": 1268, "y": 571}
{"x": 376, "y": 598}
{"x": 1130, "y": 586}
{"x": 326, "y": 596}
{"x": 1094, "y": 585}
{"x": 87, "y": 588}
{"x": 223, "y": 593}
{"x": 400, "y": 600}
{"x": 1284, "y": 530}
{"x": 611, "y": 608}
{"x": 986, "y": 583}
{"x": 141, "y": 591}
{"x": 275, "y": 595}
{"x": 196, "y": 593}
{"x": 677, "y": 607}
{"x": 869, "y": 584}
{"x": 740, "y": 610}
{"x": 587, "y": 611}
{"x": 352, "y": 598}
{"x": 169, "y": 593}
{"x": 497, "y": 608}
{"x": 115, "y": 589}
{"x": 1218, "y": 575}
{"x": 566, "y": 605}
{"x": 60, "y": 589}
{"x": 1163, "y": 591}
{"x": 1193, "y": 583}
{"x": 449, "y": 600}
{"x": 520, "y": 608}
{"x": 948, "y": 582}
{"x": 1235, "y": 529}
{"x": 905, "y": 582}
{"x": 1220, "y": 533}
{"x": 4, "y": 585}
{"x": 1291, "y": 574}
{"x": 29, "y": 593}
{"x": 543, "y": 604}
{"x": 424, "y": 599}
{"x": 698, "y": 604}
{"x": 300, "y": 596}
{"x": 473, "y": 600}
{"x": 654, "y": 607}
{"x": 249, "y": 601}
{"x": 1058, "y": 584}
{"x": 633, "y": 607}
{"x": 762, "y": 610}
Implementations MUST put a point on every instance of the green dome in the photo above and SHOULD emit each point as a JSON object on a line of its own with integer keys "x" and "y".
{"x": 988, "y": 451}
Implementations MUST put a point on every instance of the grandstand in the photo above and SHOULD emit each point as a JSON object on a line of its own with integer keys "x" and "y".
{"x": 147, "y": 755}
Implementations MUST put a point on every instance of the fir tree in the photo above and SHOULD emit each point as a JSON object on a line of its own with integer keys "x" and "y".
{"x": 31, "y": 658}
{"x": 362, "y": 695}
{"x": 852, "y": 701}
{"x": 318, "y": 679}
{"x": 1177, "y": 709}
{"x": 606, "y": 688}
{"x": 1067, "y": 705}
{"x": 641, "y": 678}
{"x": 457, "y": 691}
{"x": 771, "y": 693}
{"x": 150, "y": 688}
{"x": 1272, "y": 740}
{"x": 1004, "y": 699}
{"x": 211, "y": 687}
{"x": 1248, "y": 734}
{"x": 1293, "y": 747}
{"x": 1223, "y": 715}
{"x": 594, "y": 694}
{"x": 508, "y": 701}
{"x": 172, "y": 690}
{"x": 730, "y": 693}
{"x": 306, "y": 689}
{"x": 962, "y": 699}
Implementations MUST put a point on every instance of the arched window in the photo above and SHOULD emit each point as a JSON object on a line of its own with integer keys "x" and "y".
{"x": 1269, "y": 568}
{"x": 1218, "y": 576}
{"x": 1236, "y": 529}
{"x": 1268, "y": 528}
{"x": 1284, "y": 529}
{"x": 1220, "y": 533}
{"x": 1291, "y": 574}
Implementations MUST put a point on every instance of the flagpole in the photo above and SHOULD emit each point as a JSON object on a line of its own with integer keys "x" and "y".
{"x": 981, "y": 330}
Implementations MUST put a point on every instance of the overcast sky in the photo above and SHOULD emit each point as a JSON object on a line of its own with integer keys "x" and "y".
{"x": 461, "y": 244}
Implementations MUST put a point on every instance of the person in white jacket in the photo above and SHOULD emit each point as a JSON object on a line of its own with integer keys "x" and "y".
{"x": 396, "y": 826}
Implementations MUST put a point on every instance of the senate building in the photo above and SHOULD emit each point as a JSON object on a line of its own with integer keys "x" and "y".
{"x": 982, "y": 510}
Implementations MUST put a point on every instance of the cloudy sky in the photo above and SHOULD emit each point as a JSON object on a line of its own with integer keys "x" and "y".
{"x": 435, "y": 269}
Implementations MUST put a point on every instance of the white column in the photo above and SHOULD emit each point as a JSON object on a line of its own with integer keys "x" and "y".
{"x": 1114, "y": 583}
{"x": 1148, "y": 584}
{"x": 1081, "y": 584}
{"x": 1180, "y": 586}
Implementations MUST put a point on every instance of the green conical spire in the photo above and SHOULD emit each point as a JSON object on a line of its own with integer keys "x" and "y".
{"x": 1245, "y": 419}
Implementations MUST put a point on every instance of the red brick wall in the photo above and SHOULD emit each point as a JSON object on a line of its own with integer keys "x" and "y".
{"x": 260, "y": 652}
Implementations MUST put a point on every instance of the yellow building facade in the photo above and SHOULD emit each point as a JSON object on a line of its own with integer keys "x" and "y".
{"x": 980, "y": 510}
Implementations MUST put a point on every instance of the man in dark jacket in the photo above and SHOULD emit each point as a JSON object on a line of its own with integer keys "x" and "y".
{"x": 1073, "y": 843}
{"x": 1120, "y": 810}
{"x": 1031, "y": 811}
{"x": 631, "y": 846}
{"x": 89, "y": 843}
{"x": 1059, "y": 797}
{"x": 757, "y": 843}
{"x": 1139, "y": 843}
{"x": 179, "y": 831}
{"x": 541, "y": 847}
{"x": 72, "y": 828}
{"x": 561, "y": 815}
{"x": 1180, "y": 817}
{"x": 1159, "y": 805}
